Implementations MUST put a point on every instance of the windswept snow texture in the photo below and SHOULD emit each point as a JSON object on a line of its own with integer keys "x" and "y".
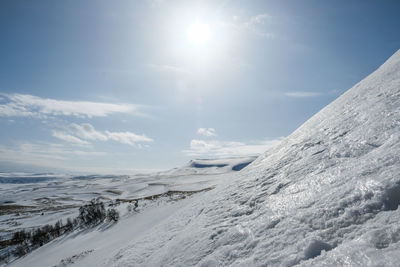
{"x": 327, "y": 195}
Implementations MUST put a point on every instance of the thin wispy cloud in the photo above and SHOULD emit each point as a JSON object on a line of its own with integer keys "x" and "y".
{"x": 69, "y": 138}
{"x": 43, "y": 154}
{"x": 303, "y": 94}
{"x": 215, "y": 148}
{"x": 255, "y": 24}
{"x": 21, "y": 105}
{"x": 52, "y": 156}
{"x": 207, "y": 132}
{"x": 259, "y": 19}
{"x": 86, "y": 131}
{"x": 82, "y": 134}
{"x": 128, "y": 138}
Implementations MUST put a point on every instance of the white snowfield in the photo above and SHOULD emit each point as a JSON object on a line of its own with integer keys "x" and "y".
{"x": 326, "y": 195}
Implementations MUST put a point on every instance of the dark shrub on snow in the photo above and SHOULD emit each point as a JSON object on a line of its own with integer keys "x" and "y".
{"x": 21, "y": 250}
{"x": 20, "y": 237}
{"x": 112, "y": 215}
{"x": 93, "y": 213}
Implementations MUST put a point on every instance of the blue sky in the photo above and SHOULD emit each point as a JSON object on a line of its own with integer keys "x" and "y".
{"x": 125, "y": 86}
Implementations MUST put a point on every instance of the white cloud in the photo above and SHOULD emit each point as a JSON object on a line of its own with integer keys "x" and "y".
{"x": 61, "y": 157}
{"x": 128, "y": 137}
{"x": 214, "y": 148}
{"x": 302, "y": 94}
{"x": 42, "y": 154}
{"x": 13, "y": 110}
{"x": 82, "y": 133}
{"x": 58, "y": 157}
{"x": 258, "y": 19}
{"x": 20, "y": 105}
{"x": 86, "y": 131}
{"x": 69, "y": 138}
{"x": 207, "y": 132}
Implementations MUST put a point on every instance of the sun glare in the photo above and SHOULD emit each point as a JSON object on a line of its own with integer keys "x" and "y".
{"x": 198, "y": 33}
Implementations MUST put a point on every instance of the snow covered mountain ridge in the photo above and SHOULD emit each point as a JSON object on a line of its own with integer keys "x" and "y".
{"x": 326, "y": 195}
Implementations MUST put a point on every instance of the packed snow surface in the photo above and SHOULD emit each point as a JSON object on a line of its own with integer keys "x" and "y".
{"x": 326, "y": 195}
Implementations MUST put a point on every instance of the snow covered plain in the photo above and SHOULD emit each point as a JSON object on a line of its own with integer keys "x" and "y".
{"x": 326, "y": 195}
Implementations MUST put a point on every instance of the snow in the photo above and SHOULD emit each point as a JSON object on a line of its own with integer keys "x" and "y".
{"x": 326, "y": 195}
{"x": 101, "y": 241}
{"x": 210, "y": 166}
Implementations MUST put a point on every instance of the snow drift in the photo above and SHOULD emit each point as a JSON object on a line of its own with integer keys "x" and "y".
{"x": 209, "y": 166}
{"x": 326, "y": 195}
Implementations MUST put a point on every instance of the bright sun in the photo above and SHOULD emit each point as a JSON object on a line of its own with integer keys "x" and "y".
{"x": 198, "y": 33}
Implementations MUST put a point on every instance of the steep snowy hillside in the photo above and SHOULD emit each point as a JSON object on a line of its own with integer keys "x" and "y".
{"x": 327, "y": 195}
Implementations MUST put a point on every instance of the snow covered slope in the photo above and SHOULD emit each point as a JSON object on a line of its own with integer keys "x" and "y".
{"x": 326, "y": 195}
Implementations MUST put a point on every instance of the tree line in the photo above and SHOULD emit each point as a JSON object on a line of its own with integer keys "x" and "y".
{"x": 90, "y": 215}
